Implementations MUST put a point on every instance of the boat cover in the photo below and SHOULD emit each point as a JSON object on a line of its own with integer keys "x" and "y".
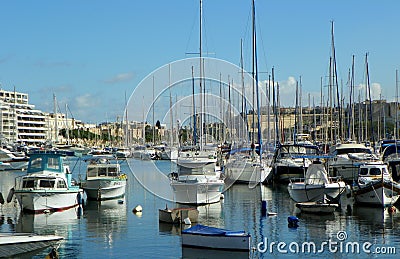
{"x": 316, "y": 174}
{"x": 212, "y": 231}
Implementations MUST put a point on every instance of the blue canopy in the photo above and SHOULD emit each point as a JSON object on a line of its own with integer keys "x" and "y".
{"x": 212, "y": 231}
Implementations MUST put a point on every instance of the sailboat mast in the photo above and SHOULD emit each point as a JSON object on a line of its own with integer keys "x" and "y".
{"x": 336, "y": 85}
{"x": 201, "y": 75}
{"x": 56, "y": 119}
{"x": 255, "y": 81}
{"x": 397, "y": 107}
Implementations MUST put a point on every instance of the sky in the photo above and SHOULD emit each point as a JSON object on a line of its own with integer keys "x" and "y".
{"x": 92, "y": 54}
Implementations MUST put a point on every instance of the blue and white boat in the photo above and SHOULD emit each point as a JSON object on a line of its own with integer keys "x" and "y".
{"x": 47, "y": 187}
{"x": 215, "y": 238}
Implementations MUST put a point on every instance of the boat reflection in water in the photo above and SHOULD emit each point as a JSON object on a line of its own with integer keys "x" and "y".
{"x": 50, "y": 223}
{"x": 106, "y": 219}
{"x": 189, "y": 252}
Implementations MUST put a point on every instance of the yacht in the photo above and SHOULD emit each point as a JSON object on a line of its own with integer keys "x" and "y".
{"x": 346, "y": 158}
{"x": 197, "y": 181}
{"x": 292, "y": 161}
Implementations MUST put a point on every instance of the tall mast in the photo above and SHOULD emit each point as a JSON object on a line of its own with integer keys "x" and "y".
{"x": 56, "y": 119}
{"x": 397, "y": 107}
{"x": 366, "y": 97}
{"x": 201, "y": 75}
{"x": 336, "y": 84}
{"x": 194, "y": 112}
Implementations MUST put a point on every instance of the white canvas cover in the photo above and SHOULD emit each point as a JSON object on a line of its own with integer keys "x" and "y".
{"x": 316, "y": 175}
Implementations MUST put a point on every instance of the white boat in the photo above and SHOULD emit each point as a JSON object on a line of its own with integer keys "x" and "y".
{"x": 197, "y": 181}
{"x": 290, "y": 161}
{"x": 246, "y": 168}
{"x": 346, "y": 159}
{"x": 168, "y": 153}
{"x": 375, "y": 186}
{"x": 9, "y": 161}
{"x": 315, "y": 185}
{"x": 47, "y": 187}
{"x": 104, "y": 180}
{"x": 13, "y": 244}
{"x": 390, "y": 155}
{"x": 123, "y": 153}
{"x": 215, "y": 238}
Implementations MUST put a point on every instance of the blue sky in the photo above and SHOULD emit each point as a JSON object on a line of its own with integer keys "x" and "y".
{"x": 91, "y": 54}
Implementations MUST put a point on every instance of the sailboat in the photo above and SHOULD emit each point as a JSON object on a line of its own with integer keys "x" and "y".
{"x": 197, "y": 181}
{"x": 245, "y": 165}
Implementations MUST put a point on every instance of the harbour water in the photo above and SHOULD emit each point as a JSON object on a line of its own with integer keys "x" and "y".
{"x": 110, "y": 229}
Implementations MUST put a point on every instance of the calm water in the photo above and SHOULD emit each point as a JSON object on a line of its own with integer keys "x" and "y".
{"x": 110, "y": 229}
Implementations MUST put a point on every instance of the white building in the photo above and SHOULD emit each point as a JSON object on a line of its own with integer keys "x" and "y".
{"x": 19, "y": 121}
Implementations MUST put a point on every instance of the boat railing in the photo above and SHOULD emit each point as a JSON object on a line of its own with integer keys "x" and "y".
{"x": 315, "y": 180}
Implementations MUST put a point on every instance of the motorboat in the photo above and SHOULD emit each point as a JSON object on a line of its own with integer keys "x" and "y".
{"x": 48, "y": 185}
{"x": 123, "y": 153}
{"x": 104, "y": 180}
{"x": 346, "y": 159}
{"x": 315, "y": 185}
{"x": 215, "y": 238}
{"x": 197, "y": 181}
{"x": 375, "y": 186}
{"x": 290, "y": 160}
{"x": 10, "y": 161}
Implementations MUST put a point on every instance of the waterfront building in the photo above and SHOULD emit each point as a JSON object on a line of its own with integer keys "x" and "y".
{"x": 20, "y": 122}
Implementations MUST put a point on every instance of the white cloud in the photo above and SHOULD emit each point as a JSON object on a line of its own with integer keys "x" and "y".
{"x": 376, "y": 90}
{"x": 124, "y": 77}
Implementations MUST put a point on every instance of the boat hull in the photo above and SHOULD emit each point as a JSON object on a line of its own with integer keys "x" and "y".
{"x": 194, "y": 192}
{"x": 40, "y": 201}
{"x": 301, "y": 192}
{"x": 246, "y": 172}
{"x": 178, "y": 215}
{"x": 12, "y": 244}
{"x": 237, "y": 243}
{"x": 317, "y": 208}
{"x": 379, "y": 193}
{"x": 105, "y": 189}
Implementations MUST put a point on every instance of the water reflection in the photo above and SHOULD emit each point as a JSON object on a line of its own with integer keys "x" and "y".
{"x": 49, "y": 223}
{"x": 188, "y": 252}
{"x": 106, "y": 219}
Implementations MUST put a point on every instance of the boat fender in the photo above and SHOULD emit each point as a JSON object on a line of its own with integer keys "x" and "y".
{"x": 293, "y": 222}
{"x": 1, "y": 198}
{"x": 222, "y": 196}
{"x": 10, "y": 195}
{"x": 391, "y": 209}
{"x": 79, "y": 198}
{"x": 53, "y": 254}
{"x": 187, "y": 221}
{"x": 137, "y": 209}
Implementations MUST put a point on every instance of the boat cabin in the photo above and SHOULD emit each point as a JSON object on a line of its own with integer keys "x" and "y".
{"x": 37, "y": 182}
{"x": 50, "y": 162}
{"x": 374, "y": 171}
{"x": 103, "y": 170}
